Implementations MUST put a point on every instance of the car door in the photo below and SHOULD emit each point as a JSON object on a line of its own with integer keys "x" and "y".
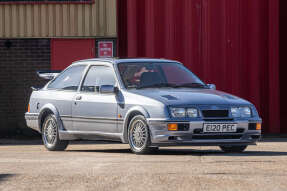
{"x": 61, "y": 92}
{"x": 93, "y": 111}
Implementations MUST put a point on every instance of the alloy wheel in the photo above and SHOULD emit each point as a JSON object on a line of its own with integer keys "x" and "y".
{"x": 50, "y": 131}
{"x": 138, "y": 135}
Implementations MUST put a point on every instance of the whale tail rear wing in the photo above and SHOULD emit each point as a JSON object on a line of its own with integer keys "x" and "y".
{"x": 48, "y": 74}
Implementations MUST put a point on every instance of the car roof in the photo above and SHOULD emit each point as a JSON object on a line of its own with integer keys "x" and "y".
{"x": 122, "y": 60}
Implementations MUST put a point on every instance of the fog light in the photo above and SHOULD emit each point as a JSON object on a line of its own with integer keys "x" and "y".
{"x": 172, "y": 127}
{"x": 258, "y": 126}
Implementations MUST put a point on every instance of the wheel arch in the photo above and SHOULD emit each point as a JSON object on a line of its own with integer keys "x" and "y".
{"x": 45, "y": 111}
{"x": 132, "y": 112}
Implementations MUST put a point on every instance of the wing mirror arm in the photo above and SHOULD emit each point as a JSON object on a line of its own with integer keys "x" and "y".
{"x": 211, "y": 86}
{"x": 116, "y": 90}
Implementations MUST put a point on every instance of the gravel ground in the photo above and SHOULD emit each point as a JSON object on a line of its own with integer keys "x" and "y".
{"x": 114, "y": 167}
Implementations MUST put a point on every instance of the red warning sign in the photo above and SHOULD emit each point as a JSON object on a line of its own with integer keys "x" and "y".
{"x": 105, "y": 49}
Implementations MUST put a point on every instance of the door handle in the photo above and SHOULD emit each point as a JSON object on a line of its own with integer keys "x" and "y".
{"x": 78, "y": 97}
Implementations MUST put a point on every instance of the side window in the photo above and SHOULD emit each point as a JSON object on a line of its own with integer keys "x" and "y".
{"x": 97, "y": 76}
{"x": 69, "y": 79}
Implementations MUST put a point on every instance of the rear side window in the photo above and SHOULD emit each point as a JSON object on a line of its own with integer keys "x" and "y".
{"x": 69, "y": 79}
{"x": 97, "y": 76}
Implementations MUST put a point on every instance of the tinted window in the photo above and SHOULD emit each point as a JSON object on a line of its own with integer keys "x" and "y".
{"x": 69, "y": 79}
{"x": 177, "y": 74}
{"x": 97, "y": 76}
{"x": 166, "y": 74}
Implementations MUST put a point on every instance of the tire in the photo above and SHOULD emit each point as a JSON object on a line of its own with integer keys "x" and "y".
{"x": 139, "y": 136}
{"x": 154, "y": 149}
{"x": 233, "y": 149}
{"x": 50, "y": 135}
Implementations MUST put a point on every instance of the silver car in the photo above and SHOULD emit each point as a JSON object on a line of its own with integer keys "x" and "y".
{"x": 147, "y": 103}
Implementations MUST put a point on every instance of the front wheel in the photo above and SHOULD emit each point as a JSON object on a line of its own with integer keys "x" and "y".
{"x": 139, "y": 137}
{"x": 50, "y": 135}
{"x": 233, "y": 149}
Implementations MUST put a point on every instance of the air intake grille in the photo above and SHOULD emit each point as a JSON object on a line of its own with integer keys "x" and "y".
{"x": 216, "y": 136}
{"x": 215, "y": 113}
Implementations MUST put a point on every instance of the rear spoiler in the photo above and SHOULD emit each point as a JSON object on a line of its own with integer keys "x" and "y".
{"x": 48, "y": 74}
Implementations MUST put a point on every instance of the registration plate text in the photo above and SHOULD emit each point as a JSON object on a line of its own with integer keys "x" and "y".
{"x": 219, "y": 128}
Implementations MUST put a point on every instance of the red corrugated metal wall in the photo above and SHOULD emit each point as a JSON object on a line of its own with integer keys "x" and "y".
{"x": 232, "y": 43}
{"x": 283, "y": 61}
{"x": 66, "y": 51}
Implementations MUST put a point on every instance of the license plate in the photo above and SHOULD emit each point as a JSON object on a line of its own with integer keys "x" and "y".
{"x": 219, "y": 127}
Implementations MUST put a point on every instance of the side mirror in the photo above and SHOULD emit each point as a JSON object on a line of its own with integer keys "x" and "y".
{"x": 108, "y": 89}
{"x": 211, "y": 86}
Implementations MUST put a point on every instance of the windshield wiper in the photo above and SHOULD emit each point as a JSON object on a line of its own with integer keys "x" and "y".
{"x": 159, "y": 85}
{"x": 163, "y": 85}
{"x": 191, "y": 85}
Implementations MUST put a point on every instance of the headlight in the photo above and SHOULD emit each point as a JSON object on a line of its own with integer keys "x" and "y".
{"x": 241, "y": 112}
{"x": 245, "y": 112}
{"x": 177, "y": 112}
{"x": 192, "y": 112}
{"x": 183, "y": 112}
{"x": 235, "y": 112}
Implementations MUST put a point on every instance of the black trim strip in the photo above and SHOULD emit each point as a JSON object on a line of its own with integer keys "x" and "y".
{"x": 92, "y": 118}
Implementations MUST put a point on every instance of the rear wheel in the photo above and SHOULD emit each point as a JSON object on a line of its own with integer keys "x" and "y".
{"x": 233, "y": 149}
{"x": 139, "y": 137}
{"x": 50, "y": 135}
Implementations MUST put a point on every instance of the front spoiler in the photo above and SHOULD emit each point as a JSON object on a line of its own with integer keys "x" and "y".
{"x": 160, "y": 136}
{"x": 201, "y": 144}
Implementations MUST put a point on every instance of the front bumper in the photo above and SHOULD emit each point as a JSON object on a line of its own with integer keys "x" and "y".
{"x": 160, "y": 136}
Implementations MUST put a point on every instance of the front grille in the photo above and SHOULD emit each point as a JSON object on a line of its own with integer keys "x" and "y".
{"x": 216, "y": 137}
{"x": 218, "y": 119}
{"x": 215, "y": 113}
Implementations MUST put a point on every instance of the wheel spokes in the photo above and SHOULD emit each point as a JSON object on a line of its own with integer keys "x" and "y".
{"x": 139, "y": 134}
{"x": 50, "y": 131}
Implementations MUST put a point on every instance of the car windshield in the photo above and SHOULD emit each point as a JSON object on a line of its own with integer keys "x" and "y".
{"x": 157, "y": 75}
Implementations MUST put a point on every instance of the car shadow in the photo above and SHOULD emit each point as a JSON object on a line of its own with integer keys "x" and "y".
{"x": 4, "y": 177}
{"x": 193, "y": 152}
{"x": 7, "y": 142}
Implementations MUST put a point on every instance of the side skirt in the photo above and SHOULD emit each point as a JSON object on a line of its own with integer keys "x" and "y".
{"x": 89, "y": 135}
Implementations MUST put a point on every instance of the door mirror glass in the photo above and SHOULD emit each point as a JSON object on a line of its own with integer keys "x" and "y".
{"x": 211, "y": 86}
{"x": 107, "y": 89}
